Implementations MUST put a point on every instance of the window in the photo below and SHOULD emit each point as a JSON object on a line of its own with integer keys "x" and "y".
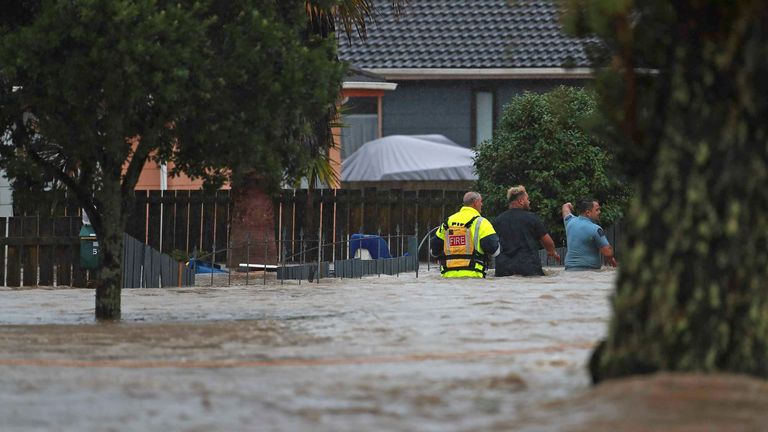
{"x": 361, "y": 124}
{"x": 483, "y": 116}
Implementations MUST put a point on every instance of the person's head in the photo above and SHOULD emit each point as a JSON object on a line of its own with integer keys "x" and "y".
{"x": 517, "y": 197}
{"x": 589, "y": 207}
{"x": 474, "y": 200}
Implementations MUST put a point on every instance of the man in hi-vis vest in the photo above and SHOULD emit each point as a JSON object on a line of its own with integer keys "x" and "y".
{"x": 465, "y": 241}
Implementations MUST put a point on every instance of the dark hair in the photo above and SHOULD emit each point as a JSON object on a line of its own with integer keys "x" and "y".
{"x": 585, "y": 204}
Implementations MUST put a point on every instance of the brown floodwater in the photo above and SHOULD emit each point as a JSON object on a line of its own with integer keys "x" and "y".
{"x": 388, "y": 353}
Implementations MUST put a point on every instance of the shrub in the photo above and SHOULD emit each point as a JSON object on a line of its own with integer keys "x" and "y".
{"x": 543, "y": 143}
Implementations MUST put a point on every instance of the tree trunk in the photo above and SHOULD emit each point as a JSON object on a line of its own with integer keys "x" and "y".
{"x": 110, "y": 236}
{"x": 252, "y": 235}
{"x": 692, "y": 291}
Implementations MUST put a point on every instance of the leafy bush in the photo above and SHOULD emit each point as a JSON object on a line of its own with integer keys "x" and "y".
{"x": 542, "y": 142}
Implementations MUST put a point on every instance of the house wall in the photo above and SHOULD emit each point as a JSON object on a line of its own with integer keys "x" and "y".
{"x": 445, "y": 107}
{"x": 6, "y": 196}
{"x": 150, "y": 179}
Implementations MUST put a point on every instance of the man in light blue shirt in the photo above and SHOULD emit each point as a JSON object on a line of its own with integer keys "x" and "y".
{"x": 586, "y": 239}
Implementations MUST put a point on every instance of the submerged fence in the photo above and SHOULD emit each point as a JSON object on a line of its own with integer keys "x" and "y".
{"x": 186, "y": 221}
{"x": 45, "y": 251}
{"x": 146, "y": 267}
{"x": 198, "y": 224}
{"x": 305, "y": 259}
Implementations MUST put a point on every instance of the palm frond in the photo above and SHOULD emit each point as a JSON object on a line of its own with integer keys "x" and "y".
{"x": 352, "y": 16}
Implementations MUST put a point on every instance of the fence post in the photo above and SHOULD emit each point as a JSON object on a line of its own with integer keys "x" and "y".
{"x": 229, "y": 257}
{"x": 213, "y": 260}
{"x": 283, "y": 250}
{"x": 5, "y": 255}
{"x": 397, "y": 237}
{"x": 301, "y": 253}
{"x": 416, "y": 257}
{"x": 319, "y": 250}
{"x": 341, "y": 254}
{"x": 378, "y": 249}
{"x": 247, "y": 257}
{"x": 266, "y": 246}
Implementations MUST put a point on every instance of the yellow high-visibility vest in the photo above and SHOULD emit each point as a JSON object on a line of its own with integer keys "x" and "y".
{"x": 462, "y": 254}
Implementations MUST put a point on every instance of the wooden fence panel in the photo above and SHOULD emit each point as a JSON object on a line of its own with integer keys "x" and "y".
{"x": 194, "y": 221}
{"x": 338, "y": 221}
{"x": 380, "y": 218}
{"x": 13, "y": 266}
{"x": 137, "y": 225}
{"x": 154, "y": 206}
{"x": 28, "y": 252}
{"x": 356, "y": 212}
{"x": 79, "y": 274}
{"x": 285, "y": 220}
{"x": 397, "y": 211}
{"x": 221, "y": 224}
{"x": 46, "y": 252}
{"x": 167, "y": 219}
{"x": 292, "y": 235}
{"x": 181, "y": 222}
{"x": 208, "y": 224}
{"x": 438, "y": 204}
{"x": 64, "y": 227}
{"x": 129, "y": 265}
{"x": 424, "y": 211}
{"x": 29, "y": 265}
{"x": 3, "y": 235}
{"x": 327, "y": 202}
{"x": 370, "y": 217}
{"x": 341, "y": 219}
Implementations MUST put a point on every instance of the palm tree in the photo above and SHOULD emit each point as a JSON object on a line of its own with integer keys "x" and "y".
{"x": 325, "y": 19}
{"x": 325, "y": 16}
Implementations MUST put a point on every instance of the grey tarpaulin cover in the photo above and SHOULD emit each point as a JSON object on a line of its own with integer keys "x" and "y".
{"x": 409, "y": 157}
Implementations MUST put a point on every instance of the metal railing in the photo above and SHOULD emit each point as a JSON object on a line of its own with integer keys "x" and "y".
{"x": 308, "y": 259}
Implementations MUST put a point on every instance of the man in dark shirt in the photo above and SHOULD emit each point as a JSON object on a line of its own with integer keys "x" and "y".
{"x": 521, "y": 234}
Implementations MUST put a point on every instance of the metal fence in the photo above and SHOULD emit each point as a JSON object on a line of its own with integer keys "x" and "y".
{"x": 308, "y": 259}
{"x": 146, "y": 267}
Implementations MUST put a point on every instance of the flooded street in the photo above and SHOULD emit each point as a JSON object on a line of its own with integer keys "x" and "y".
{"x": 379, "y": 353}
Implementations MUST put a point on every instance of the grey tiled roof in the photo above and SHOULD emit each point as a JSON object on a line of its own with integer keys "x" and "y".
{"x": 359, "y": 75}
{"x": 466, "y": 34}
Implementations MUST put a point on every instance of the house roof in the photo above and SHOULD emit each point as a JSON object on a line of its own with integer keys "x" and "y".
{"x": 360, "y": 79}
{"x": 358, "y": 74}
{"x": 466, "y": 34}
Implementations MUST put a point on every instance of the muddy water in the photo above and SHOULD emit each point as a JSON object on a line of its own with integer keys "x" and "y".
{"x": 388, "y": 353}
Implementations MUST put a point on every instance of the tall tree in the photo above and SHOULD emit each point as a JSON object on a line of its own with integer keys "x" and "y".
{"x": 683, "y": 85}
{"x": 253, "y": 212}
{"x": 91, "y": 90}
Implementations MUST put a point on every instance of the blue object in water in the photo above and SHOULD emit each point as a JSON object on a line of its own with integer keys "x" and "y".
{"x": 204, "y": 267}
{"x": 375, "y": 245}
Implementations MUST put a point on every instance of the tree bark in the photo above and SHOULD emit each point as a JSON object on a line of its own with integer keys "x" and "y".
{"x": 252, "y": 235}
{"x": 109, "y": 231}
{"x": 692, "y": 290}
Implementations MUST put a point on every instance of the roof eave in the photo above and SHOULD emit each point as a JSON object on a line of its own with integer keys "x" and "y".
{"x": 482, "y": 73}
{"x": 368, "y": 85}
